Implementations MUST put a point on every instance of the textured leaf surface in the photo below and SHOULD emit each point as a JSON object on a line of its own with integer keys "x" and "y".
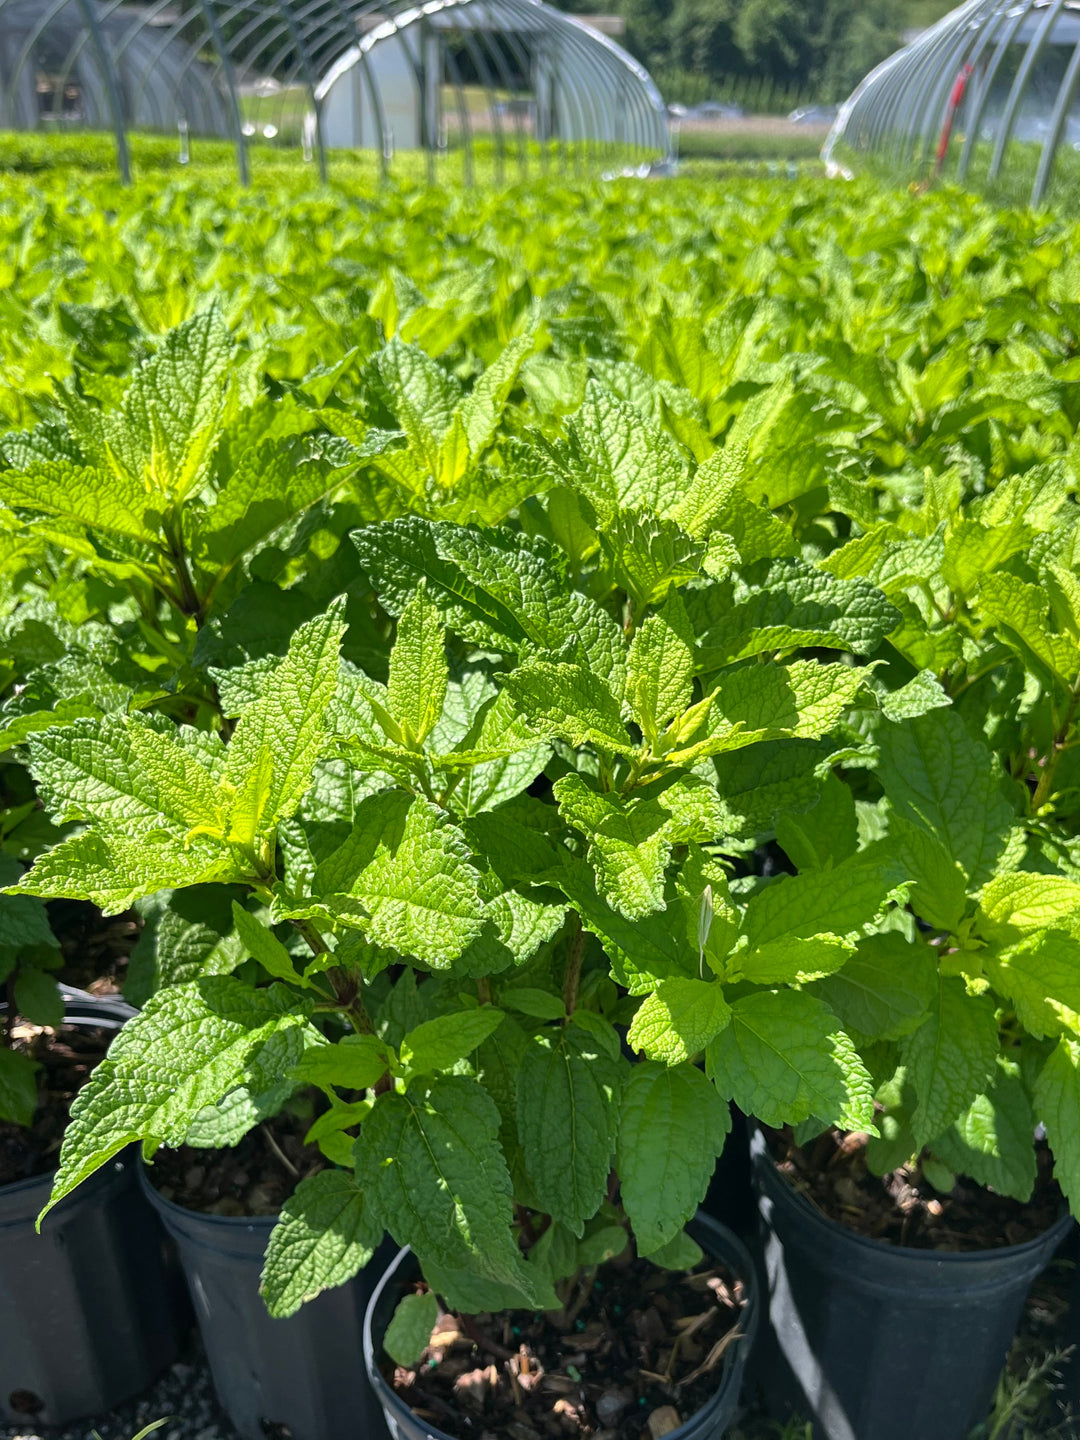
{"x": 836, "y": 901}
{"x": 784, "y": 1058}
{"x": 950, "y": 1058}
{"x": 671, "y": 1128}
{"x": 431, "y": 1161}
{"x": 416, "y": 688}
{"x": 186, "y": 1049}
{"x": 126, "y": 776}
{"x": 440, "y": 1043}
{"x": 325, "y": 1235}
{"x": 660, "y": 667}
{"x": 885, "y": 990}
{"x": 1057, "y": 1106}
{"x": 938, "y": 776}
{"x": 992, "y": 1140}
{"x": 679, "y": 1020}
{"x": 410, "y": 1328}
{"x": 568, "y": 702}
{"x": 1039, "y": 975}
{"x": 288, "y": 720}
{"x": 568, "y": 1099}
{"x": 410, "y": 872}
{"x": 800, "y": 606}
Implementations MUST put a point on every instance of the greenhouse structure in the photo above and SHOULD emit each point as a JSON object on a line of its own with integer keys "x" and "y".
{"x": 328, "y": 74}
{"x": 989, "y": 94}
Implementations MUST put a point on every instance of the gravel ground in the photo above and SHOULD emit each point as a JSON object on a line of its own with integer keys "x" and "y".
{"x": 184, "y": 1394}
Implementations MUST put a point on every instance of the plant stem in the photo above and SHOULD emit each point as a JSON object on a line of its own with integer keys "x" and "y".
{"x": 575, "y": 955}
{"x": 1046, "y": 779}
{"x": 345, "y": 986}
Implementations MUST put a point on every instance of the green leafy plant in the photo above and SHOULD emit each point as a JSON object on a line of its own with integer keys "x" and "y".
{"x": 486, "y": 947}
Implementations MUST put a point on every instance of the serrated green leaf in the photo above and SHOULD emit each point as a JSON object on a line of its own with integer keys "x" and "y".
{"x": 630, "y": 840}
{"x": 186, "y": 1049}
{"x": 326, "y": 1234}
{"x": 129, "y": 778}
{"x": 431, "y": 1162}
{"x": 482, "y": 408}
{"x": 185, "y": 934}
{"x": 1022, "y": 614}
{"x": 288, "y": 720}
{"x": 939, "y": 777}
{"x": 410, "y": 1328}
{"x": 170, "y": 417}
{"x": 799, "y": 606}
{"x": 885, "y": 989}
{"x": 422, "y": 396}
{"x": 567, "y": 1118}
{"x": 354, "y": 1063}
{"x": 992, "y": 1141}
{"x": 790, "y": 960}
{"x": 83, "y": 495}
{"x": 1057, "y": 1107}
{"x": 440, "y": 1043}
{"x": 679, "y": 1020}
{"x": 405, "y": 878}
{"x": 618, "y": 460}
{"x": 114, "y": 873}
{"x": 263, "y": 945}
{"x": 918, "y": 696}
{"x": 672, "y": 1127}
{"x": 660, "y": 668}
{"x": 838, "y": 900}
{"x": 648, "y": 556}
{"x": 950, "y": 1058}
{"x": 1039, "y": 975}
{"x": 1017, "y": 904}
{"x": 419, "y": 671}
{"x": 784, "y": 1058}
{"x": 18, "y": 1087}
{"x": 568, "y": 702}
{"x": 753, "y": 703}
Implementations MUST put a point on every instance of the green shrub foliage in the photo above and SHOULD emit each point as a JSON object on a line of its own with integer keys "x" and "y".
{"x": 531, "y": 729}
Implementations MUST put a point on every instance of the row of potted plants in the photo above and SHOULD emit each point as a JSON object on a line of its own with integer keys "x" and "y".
{"x": 485, "y": 865}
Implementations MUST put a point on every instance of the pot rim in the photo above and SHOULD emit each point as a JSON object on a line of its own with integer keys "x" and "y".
{"x": 751, "y": 1310}
{"x": 762, "y": 1160}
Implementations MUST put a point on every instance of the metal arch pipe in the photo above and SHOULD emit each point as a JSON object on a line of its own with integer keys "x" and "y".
{"x": 309, "y": 81}
{"x": 1019, "y": 85}
{"x": 939, "y": 94}
{"x": 187, "y": 71}
{"x": 349, "y": 21}
{"x": 993, "y": 13}
{"x": 234, "y": 97}
{"x": 1065, "y": 96}
{"x": 32, "y": 38}
{"x": 986, "y": 85}
{"x": 123, "y": 154}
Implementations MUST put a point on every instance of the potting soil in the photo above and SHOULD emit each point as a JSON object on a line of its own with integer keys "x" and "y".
{"x": 635, "y": 1353}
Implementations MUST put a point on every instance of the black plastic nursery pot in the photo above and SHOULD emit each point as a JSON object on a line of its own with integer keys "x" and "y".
{"x": 709, "y": 1423}
{"x": 880, "y": 1341}
{"x": 86, "y": 1314}
{"x": 296, "y": 1379}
